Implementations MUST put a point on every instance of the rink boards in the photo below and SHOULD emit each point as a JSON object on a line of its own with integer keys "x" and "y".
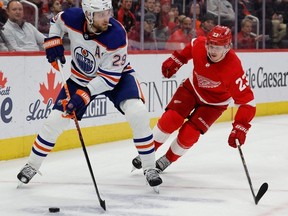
{"x": 29, "y": 86}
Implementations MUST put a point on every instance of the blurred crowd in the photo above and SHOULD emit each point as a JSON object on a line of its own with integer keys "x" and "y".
{"x": 158, "y": 24}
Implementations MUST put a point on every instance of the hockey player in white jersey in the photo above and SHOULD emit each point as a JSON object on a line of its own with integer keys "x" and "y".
{"x": 99, "y": 66}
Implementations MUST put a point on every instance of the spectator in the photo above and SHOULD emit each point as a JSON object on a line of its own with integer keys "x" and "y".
{"x": 245, "y": 8}
{"x": 68, "y": 4}
{"x": 246, "y": 39}
{"x": 281, "y": 7}
{"x": 174, "y": 23}
{"x": 166, "y": 16}
{"x": 125, "y": 16}
{"x": 149, "y": 6}
{"x": 21, "y": 35}
{"x": 175, "y": 10}
{"x": 162, "y": 33}
{"x": 224, "y": 9}
{"x": 269, "y": 11}
{"x": 178, "y": 22}
{"x": 197, "y": 10}
{"x": 157, "y": 8}
{"x": 3, "y": 13}
{"x": 3, "y": 19}
{"x": 149, "y": 36}
{"x": 55, "y": 7}
{"x": 157, "y": 12}
{"x": 165, "y": 25}
{"x": 181, "y": 37}
{"x": 29, "y": 16}
{"x": 3, "y": 46}
{"x": 207, "y": 24}
{"x": 278, "y": 29}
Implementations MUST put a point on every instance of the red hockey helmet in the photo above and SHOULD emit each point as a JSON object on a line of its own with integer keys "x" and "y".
{"x": 220, "y": 36}
{"x": 219, "y": 42}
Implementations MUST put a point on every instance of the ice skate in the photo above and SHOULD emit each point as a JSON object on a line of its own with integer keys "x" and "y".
{"x": 162, "y": 163}
{"x": 26, "y": 174}
{"x": 153, "y": 179}
{"x": 136, "y": 163}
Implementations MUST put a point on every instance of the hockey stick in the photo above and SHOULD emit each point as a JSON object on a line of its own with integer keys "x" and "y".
{"x": 102, "y": 202}
{"x": 264, "y": 186}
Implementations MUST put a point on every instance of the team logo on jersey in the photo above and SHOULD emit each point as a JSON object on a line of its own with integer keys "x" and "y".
{"x": 204, "y": 82}
{"x": 85, "y": 60}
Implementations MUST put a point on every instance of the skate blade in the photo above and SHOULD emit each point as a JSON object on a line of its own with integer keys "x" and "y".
{"x": 133, "y": 169}
{"x": 20, "y": 184}
{"x": 156, "y": 189}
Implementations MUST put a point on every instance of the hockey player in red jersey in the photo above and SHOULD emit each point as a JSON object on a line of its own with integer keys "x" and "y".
{"x": 216, "y": 79}
{"x": 99, "y": 65}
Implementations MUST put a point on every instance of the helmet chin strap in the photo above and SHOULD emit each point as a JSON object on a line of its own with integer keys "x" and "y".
{"x": 223, "y": 54}
{"x": 90, "y": 22}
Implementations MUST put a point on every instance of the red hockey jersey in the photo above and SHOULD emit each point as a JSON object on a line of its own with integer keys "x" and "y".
{"x": 220, "y": 83}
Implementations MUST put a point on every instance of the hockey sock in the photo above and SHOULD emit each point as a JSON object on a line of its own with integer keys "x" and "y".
{"x": 137, "y": 115}
{"x": 145, "y": 148}
{"x": 167, "y": 124}
{"x": 46, "y": 139}
{"x": 188, "y": 135}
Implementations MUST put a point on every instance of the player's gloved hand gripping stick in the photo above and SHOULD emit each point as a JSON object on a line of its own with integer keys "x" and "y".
{"x": 102, "y": 202}
{"x": 239, "y": 133}
{"x": 54, "y": 50}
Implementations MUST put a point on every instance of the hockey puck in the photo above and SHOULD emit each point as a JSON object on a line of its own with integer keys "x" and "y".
{"x": 54, "y": 209}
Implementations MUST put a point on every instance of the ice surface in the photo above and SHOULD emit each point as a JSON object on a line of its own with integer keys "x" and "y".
{"x": 208, "y": 181}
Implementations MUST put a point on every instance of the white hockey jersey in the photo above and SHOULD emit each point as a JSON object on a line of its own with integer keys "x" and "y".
{"x": 98, "y": 61}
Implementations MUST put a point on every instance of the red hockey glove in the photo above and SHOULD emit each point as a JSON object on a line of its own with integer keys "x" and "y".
{"x": 238, "y": 132}
{"x": 80, "y": 99}
{"x": 171, "y": 65}
{"x": 54, "y": 50}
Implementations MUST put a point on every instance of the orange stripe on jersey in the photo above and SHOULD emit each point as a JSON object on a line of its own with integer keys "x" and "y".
{"x": 128, "y": 67}
{"x": 77, "y": 74}
{"x": 41, "y": 148}
{"x": 109, "y": 77}
{"x": 146, "y": 146}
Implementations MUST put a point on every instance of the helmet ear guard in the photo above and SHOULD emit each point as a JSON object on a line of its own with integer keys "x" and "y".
{"x": 89, "y": 17}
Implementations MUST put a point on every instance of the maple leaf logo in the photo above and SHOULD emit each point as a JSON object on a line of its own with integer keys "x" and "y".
{"x": 3, "y": 80}
{"x": 50, "y": 91}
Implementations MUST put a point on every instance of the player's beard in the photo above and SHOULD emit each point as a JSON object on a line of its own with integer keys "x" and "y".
{"x": 101, "y": 28}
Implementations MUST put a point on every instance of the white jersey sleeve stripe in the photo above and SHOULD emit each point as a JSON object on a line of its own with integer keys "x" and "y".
{"x": 81, "y": 76}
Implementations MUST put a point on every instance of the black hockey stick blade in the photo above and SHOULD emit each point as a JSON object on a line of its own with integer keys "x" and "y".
{"x": 103, "y": 205}
{"x": 261, "y": 192}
